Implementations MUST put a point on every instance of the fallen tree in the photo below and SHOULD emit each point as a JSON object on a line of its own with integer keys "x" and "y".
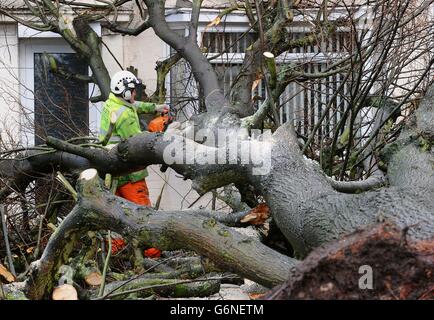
{"x": 308, "y": 210}
{"x": 308, "y": 207}
{"x": 98, "y": 209}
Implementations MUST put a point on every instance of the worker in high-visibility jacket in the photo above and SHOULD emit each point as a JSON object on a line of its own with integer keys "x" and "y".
{"x": 122, "y": 106}
{"x": 122, "y": 103}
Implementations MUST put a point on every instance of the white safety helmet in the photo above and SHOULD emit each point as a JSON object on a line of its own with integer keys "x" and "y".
{"x": 123, "y": 82}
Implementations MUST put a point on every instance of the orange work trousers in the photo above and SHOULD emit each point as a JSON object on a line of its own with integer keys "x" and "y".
{"x": 136, "y": 192}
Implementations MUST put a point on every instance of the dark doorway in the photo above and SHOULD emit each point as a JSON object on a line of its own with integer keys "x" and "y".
{"x": 61, "y": 104}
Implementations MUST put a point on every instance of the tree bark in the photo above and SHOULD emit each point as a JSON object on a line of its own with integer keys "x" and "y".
{"x": 187, "y": 47}
{"x": 98, "y": 209}
{"x": 165, "y": 287}
{"x": 310, "y": 213}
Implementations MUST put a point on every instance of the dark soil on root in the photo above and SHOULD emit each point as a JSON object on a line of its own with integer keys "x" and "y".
{"x": 401, "y": 268}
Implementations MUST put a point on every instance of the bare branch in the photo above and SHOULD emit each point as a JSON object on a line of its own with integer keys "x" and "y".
{"x": 115, "y": 27}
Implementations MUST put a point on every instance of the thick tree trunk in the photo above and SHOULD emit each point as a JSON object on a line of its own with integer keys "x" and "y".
{"x": 306, "y": 208}
{"x": 304, "y": 205}
{"x": 310, "y": 213}
{"x": 98, "y": 209}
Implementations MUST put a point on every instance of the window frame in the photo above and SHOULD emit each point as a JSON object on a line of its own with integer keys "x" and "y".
{"x": 27, "y": 48}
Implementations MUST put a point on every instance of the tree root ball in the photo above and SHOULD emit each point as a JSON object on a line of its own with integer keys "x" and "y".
{"x": 379, "y": 263}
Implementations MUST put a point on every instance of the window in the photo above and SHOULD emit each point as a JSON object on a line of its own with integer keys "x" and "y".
{"x": 61, "y": 105}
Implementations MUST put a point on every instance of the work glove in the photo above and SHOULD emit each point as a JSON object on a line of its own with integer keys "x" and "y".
{"x": 162, "y": 108}
{"x": 173, "y": 129}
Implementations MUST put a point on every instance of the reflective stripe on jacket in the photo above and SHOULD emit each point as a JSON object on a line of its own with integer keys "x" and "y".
{"x": 126, "y": 126}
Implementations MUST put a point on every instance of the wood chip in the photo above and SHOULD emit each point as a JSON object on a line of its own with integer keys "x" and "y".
{"x": 257, "y": 215}
{"x": 215, "y": 22}
{"x": 9, "y": 277}
{"x": 93, "y": 279}
{"x": 88, "y": 174}
{"x": 65, "y": 292}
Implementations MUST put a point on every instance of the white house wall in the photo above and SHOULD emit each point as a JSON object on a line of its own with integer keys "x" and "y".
{"x": 9, "y": 97}
{"x": 143, "y": 52}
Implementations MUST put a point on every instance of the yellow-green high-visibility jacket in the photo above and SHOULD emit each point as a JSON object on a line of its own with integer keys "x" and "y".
{"x": 127, "y": 125}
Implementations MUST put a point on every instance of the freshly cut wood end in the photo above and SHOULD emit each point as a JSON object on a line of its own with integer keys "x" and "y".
{"x": 268, "y": 55}
{"x": 88, "y": 174}
{"x": 215, "y": 22}
{"x": 93, "y": 279}
{"x": 5, "y": 274}
{"x": 65, "y": 292}
{"x": 249, "y": 217}
{"x": 258, "y": 215}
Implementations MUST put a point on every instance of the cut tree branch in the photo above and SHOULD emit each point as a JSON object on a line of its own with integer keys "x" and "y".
{"x": 99, "y": 209}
